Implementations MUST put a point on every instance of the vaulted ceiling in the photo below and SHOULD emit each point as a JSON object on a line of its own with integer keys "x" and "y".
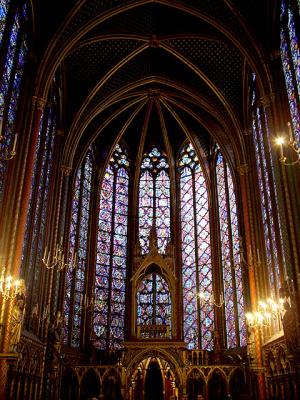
{"x": 155, "y": 71}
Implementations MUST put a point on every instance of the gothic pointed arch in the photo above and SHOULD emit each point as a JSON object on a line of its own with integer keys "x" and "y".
{"x": 197, "y": 275}
{"x": 154, "y": 200}
{"x": 111, "y": 258}
{"x": 76, "y": 275}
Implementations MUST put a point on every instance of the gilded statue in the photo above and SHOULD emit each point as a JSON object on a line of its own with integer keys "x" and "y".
{"x": 17, "y": 317}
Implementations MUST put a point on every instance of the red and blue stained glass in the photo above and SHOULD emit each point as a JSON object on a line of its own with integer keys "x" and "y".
{"x": 110, "y": 279}
{"x": 196, "y": 252}
{"x": 230, "y": 252}
{"x": 11, "y": 80}
{"x": 290, "y": 57}
{"x": 75, "y": 279}
{"x": 266, "y": 205}
{"x": 154, "y": 200}
{"x": 154, "y": 305}
{"x": 3, "y": 13}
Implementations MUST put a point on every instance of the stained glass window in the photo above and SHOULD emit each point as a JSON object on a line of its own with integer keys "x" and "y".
{"x": 230, "y": 252}
{"x": 3, "y": 13}
{"x": 153, "y": 301}
{"x": 154, "y": 200}
{"x": 35, "y": 234}
{"x": 110, "y": 280}
{"x": 267, "y": 212}
{"x": 10, "y": 81}
{"x": 290, "y": 56}
{"x": 75, "y": 278}
{"x": 198, "y": 316}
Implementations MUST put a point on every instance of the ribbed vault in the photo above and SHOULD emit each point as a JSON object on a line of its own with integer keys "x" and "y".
{"x": 190, "y": 58}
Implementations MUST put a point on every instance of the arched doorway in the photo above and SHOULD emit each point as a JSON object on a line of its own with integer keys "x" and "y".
{"x": 153, "y": 378}
{"x": 112, "y": 386}
{"x": 69, "y": 385}
{"x": 154, "y": 389}
{"x": 90, "y": 385}
{"x": 195, "y": 385}
{"x": 238, "y": 389}
{"x": 217, "y": 386}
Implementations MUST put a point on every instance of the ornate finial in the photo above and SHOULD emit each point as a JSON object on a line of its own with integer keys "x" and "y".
{"x": 153, "y": 236}
{"x": 138, "y": 249}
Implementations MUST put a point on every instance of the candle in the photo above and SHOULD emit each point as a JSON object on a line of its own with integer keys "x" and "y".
{"x": 75, "y": 260}
{"x": 258, "y": 259}
{"x": 45, "y": 253}
{"x": 280, "y": 151}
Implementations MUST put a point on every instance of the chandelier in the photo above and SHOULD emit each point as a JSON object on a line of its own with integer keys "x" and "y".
{"x": 209, "y": 298}
{"x": 5, "y": 154}
{"x": 56, "y": 259}
{"x": 268, "y": 313}
{"x": 292, "y": 144}
{"x": 10, "y": 286}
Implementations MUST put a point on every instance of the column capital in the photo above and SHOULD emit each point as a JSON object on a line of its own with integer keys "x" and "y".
{"x": 248, "y": 132}
{"x": 266, "y": 100}
{"x": 66, "y": 170}
{"x": 39, "y": 103}
{"x": 243, "y": 169}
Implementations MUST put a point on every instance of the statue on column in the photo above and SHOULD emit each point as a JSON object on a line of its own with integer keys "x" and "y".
{"x": 54, "y": 337}
{"x": 17, "y": 317}
{"x": 289, "y": 319}
{"x": 289, "y": 324}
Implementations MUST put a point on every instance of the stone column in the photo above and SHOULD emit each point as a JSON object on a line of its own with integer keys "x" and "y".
{"x": 244, "y": 184}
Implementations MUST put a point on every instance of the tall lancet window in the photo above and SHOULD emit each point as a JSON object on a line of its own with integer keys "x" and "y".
{"x": 13, "y": 37}
{"x": 110, "y": 280}
{"x": 36, "y": 223}
{"x": 268, "y": 210}
{"x": 3, "y": 14}
{"x": 79, "y": 233}
{"x": 290, "y": 56}
{"x": 154, "y": 200}
{"x": 198, "y": 316}
{"x": 230, "y": 253}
